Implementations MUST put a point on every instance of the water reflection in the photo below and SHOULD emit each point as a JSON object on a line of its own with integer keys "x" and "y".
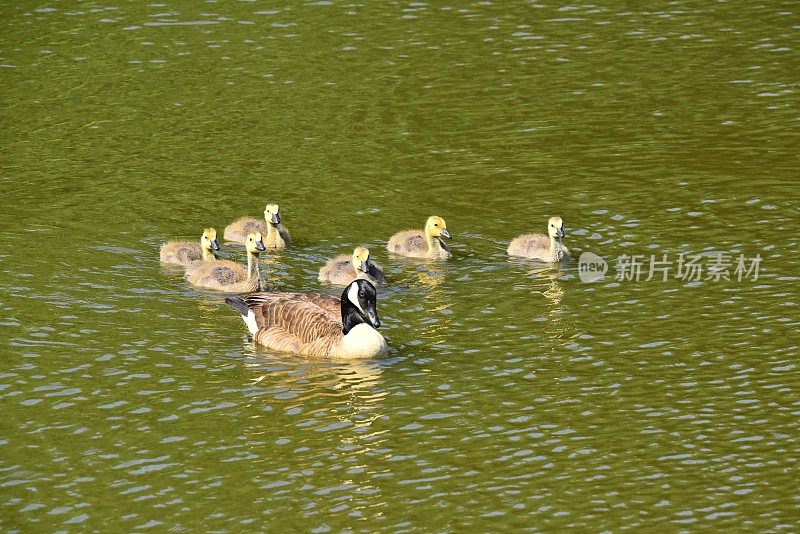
{"x": 355, "y": 379}
{"x": 273, "y": 274}
{"x": 513, "y": 381}
{"x": 548, "y": 281}
{"x": 437, "y": 304}
{"x": 553, "y": 290}
{"x": 353, "y": 392}
{"x": 431, "y": 275}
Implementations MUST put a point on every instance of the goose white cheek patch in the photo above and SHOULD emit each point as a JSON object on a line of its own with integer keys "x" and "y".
{"x": 352, "y": 296}
{"x": 250, "y": 321}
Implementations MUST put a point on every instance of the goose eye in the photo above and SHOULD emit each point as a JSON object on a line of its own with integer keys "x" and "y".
{"x": 436, "y": 225}
{"x": 361, "y": 294}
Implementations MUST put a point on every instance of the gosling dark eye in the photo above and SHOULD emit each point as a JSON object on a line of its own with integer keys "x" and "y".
{"x": 436, "y": 225}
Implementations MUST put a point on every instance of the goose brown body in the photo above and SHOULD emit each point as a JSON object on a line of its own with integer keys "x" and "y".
{"x": 328, "y": 303}
{"x": 290, "y": 322}
{"x": 303, "y": 323}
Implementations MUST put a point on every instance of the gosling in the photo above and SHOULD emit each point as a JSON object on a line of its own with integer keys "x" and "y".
{"x": 541, "y": 247}
{"x": 274, "y": 233}
{"x": 425, "y": 243}
{"x": 184, "y": 253}
{"x": 344, "y": 269}
{"x": 229, "y": 276}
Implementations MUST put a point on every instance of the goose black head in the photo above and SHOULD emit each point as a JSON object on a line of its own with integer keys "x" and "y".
{"x": 359, "y": 300}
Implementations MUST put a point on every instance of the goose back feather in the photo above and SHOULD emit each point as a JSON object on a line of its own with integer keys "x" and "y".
{"x": 412, "y": 243}
{"x": 222, "y": 275}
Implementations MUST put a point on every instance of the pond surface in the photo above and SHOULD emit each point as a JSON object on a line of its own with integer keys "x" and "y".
{"x": 517, "y": 396}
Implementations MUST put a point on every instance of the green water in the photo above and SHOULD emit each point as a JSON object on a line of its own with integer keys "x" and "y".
{"x": 516, "y": 397}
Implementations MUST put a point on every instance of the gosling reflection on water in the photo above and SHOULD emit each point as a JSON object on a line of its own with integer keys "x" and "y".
{"x": 558, "y": 325}
{"x": 430, "y": 275}
{"x": 554, "y": 291}
{"x": 274, "y": 276}
{"x": 437, "y": 304}
{"x": 546, "y": 282}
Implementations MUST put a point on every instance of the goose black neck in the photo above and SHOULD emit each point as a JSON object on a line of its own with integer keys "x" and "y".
{"x": 351, "y": 315}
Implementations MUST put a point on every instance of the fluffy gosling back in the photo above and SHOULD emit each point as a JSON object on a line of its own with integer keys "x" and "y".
{"x": 183, "y": 253}
{"x": 226, "y": 275}
{"x": 425, "y": 243}
{"x": 547, "y": 248}
{"x": 344, "y": 269}
{"x": 274, "y": 234}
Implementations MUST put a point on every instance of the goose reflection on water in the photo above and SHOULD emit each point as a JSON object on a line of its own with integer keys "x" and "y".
{"x": 356, "y": 379}
{"x": 354, "y": 384}
{"x": 283, "y": 370}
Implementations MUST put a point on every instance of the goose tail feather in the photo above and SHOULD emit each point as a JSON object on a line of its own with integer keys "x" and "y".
{"x": 248, "y": 316}
{"x": 238, "y": 304}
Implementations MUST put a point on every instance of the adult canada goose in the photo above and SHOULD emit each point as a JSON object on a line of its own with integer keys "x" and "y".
{"x": 226, "y": 275}
{"x": 541, "y": 247}
{"x": 293, "y": 322}
{"x": 425, "y": 243}
{"x": 274, "y": 233}
{"x": 343, "y": 269}
{"x": 185, "y": 252}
